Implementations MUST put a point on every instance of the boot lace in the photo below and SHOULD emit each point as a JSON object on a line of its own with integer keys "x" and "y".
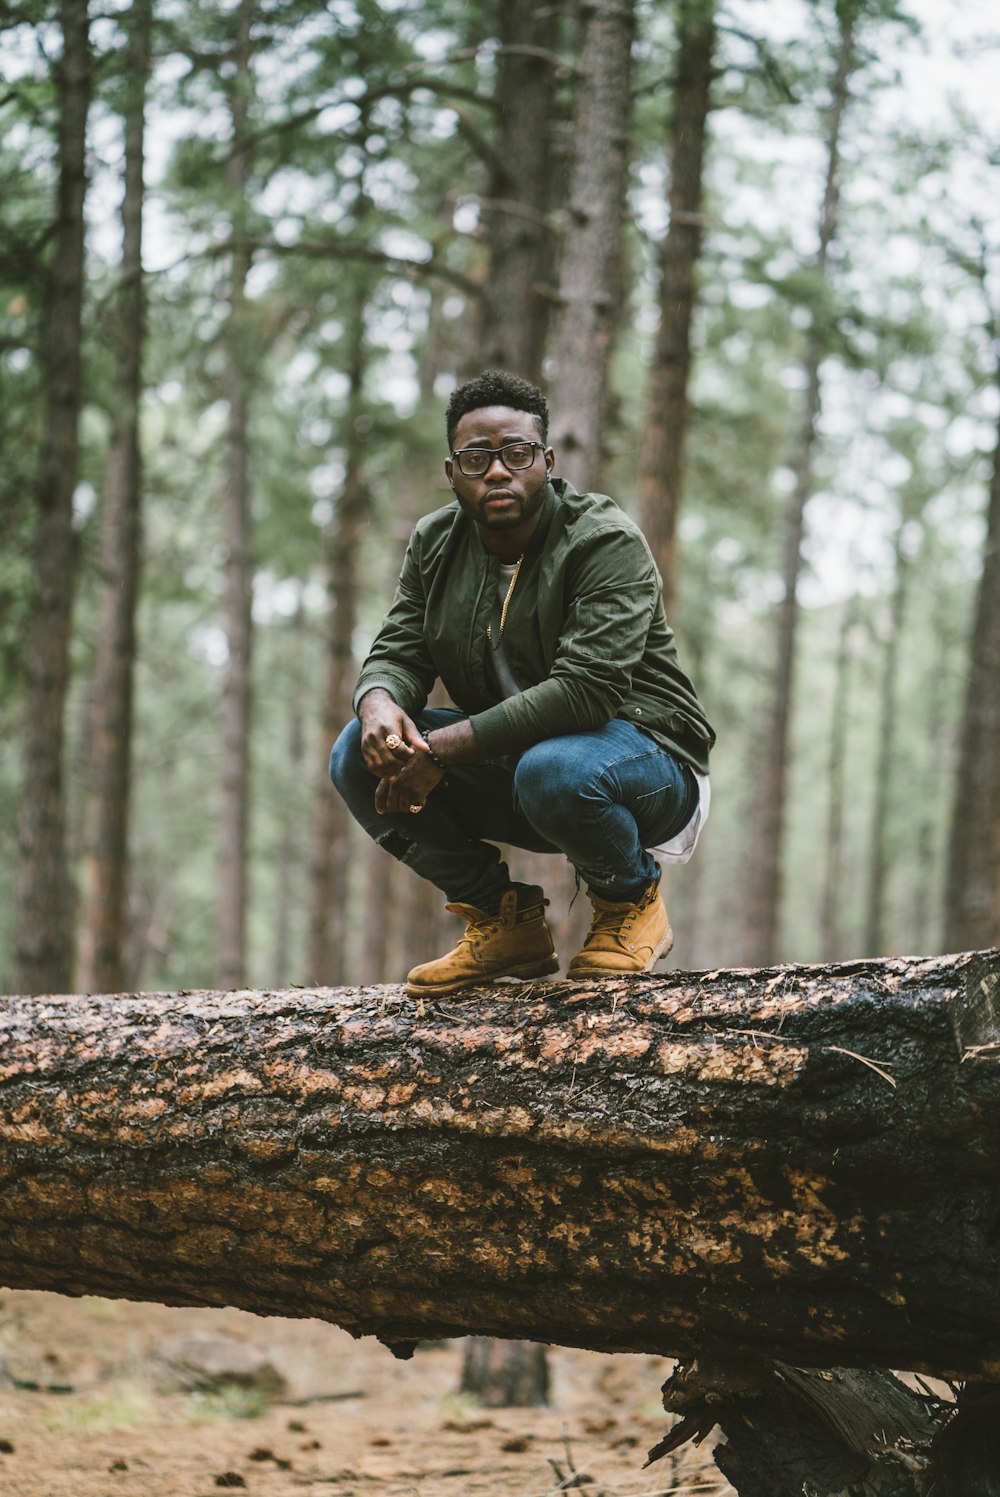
{"x": 612, "y": 922}
{"x": 480, "y": 930}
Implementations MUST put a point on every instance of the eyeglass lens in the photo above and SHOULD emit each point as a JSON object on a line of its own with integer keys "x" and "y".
{"x": 476, "y": 460}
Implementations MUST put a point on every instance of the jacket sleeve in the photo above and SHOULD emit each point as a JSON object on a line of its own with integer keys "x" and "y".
{"x": 398, "y": 661}
{"x": 613, "y": 589}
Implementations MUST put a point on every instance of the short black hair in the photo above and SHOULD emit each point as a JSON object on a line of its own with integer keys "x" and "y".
{"x": 497, "y": 387}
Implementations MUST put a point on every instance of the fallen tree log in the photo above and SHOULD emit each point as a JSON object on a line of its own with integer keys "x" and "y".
{"x": 800, "y": 1163}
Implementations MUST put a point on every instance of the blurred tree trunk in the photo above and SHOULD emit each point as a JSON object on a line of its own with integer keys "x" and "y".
{"x": 288, "y": 851}
{"x": 831, "y": 927}
{"x": 328, "y": 862}
{"x": 928, "y": 873}
{"x": 232, "y": 893}
{"x": 590, "y": 258}
{"x": 101, "y": 957}
{"x": 513, "y": 326}
{"x": 661, "y": 458}
{"x": 879, "y": 858}
{"x": 505, "y": 1374}
{"x": 43, "y": 918}
{"x": 382, "y": 875}
{"x": 694, "y": 909}
{"x": 972, "y": 903}
{"x": 767, "y": 821}
{"x": 526, "y": 196}
{"x": 518, "y": 209}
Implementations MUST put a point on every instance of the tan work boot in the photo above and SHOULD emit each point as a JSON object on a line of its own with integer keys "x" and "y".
{"x": 624, "y": 937}
{"x": 516, "y": 942}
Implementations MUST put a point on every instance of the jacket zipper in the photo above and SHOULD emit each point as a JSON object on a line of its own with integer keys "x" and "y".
{"x": 475, "y": 614}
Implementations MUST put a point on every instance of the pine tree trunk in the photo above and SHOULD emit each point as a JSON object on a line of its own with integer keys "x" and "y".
{"x": 879, "y": 858}
{"x": 233, "y": 881}
{"x": 972, "y": 906}
{"x": 101, "y": 957}
{"x": 329, "y": 863}
{"x": 289, "y": 838}
{"x": 767, "y": 821}
{"x": 928, "y": 872}
{"x": 796, "y": 1164}
{"x": 661, "y": 461}
{"x": 831, "y": 932}
{"x": 692, "y": 893}
{"x": 518, "y": 210}
{"x": 590, "y": 270}
{"x": 505, "y": 1374}
{"x": 43, "y": 919}
{"x": 382, "y": 876}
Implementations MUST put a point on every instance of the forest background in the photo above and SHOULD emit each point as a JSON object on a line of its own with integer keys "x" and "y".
{"x": 752, "y": 250}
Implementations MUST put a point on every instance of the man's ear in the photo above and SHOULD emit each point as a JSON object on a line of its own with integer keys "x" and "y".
{"x": 549, "y": 458}
{"x": 449, "y": 469}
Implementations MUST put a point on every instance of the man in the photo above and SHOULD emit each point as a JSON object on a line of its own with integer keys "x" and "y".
{"x": 540, "y": 610}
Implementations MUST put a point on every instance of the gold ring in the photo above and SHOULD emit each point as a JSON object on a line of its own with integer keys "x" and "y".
{"x": 392, "y": 740}
{"x": 415, "y": 809}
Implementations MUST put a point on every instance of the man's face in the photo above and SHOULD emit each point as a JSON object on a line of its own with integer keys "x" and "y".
{"x": 500, "y": 499}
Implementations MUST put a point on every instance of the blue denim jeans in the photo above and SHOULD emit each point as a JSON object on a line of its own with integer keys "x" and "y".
{"x": 599, "y": 798}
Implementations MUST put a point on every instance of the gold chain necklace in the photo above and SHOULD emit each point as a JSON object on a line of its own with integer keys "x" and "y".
{"x": 503, "y": 610}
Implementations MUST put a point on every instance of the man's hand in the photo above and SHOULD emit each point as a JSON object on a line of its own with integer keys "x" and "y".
{"x": 407, "y": 774}
{"x": 394, "y": 748}
{"x": 409, "y": 789}
{"x": 389, "y": 738}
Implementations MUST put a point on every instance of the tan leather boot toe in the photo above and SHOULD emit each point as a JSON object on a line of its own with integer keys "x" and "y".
{"x": 515, "y": 942}
{"x": 624, "y": 937}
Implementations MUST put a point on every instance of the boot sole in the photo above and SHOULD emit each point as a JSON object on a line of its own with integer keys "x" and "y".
{"x": 442, "y": 989}
{"x": 663, "y": 947}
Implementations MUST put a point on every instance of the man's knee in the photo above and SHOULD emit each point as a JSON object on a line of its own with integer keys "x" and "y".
{"x": 345, "y": 756}
{"x": 547, "y": 787}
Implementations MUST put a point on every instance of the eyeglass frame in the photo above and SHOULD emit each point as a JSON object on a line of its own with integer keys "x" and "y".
{"x": 496, "y": 452}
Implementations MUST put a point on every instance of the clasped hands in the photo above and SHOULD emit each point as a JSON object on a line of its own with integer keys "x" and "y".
{"x": 396, "y": 751}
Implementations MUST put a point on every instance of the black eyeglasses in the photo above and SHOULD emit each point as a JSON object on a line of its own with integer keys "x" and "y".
{"x": 475, "y": 461}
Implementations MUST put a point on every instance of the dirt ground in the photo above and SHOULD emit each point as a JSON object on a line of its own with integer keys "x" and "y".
{"x": 91, "y": 1421}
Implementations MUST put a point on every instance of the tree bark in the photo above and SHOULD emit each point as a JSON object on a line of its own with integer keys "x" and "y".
{"x": 925, "y": 903}
{"x": 101, "y": 956}
{"x": 766, "y": 850}
{"x": 328, "y": 860}
{"x": 661, "y": 460}
{"x": 238, "y": 604}
{"x": 43, "y": 919}
{"x": 879, "y": 858}
{"x": 796, "y": 1163}
{"x": 518, "y": 209}
{"x": 288, "y": 854}
{"x": 789, "y": 1430}
{"x": 589, "y": 272}
{"x": 505, "y": 1374}
{"x": 972, "y": 905}
{"x": 831, "y": 923}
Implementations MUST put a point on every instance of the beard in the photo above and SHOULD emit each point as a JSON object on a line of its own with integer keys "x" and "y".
{"x": 523, "y": 508}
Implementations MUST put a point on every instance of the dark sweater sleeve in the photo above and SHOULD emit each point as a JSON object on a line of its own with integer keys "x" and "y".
{"x": 613, "y": 589}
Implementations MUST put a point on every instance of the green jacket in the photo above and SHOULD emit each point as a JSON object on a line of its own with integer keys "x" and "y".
{"x": 585, "y": 634}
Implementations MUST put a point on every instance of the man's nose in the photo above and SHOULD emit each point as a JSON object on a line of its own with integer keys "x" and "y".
{"x": 494, "y": 460}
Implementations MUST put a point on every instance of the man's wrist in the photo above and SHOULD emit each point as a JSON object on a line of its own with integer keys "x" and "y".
{"x": 374, "y": 691}
{"x": 434, "y": 757}
{"x": 454, "y": 743}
